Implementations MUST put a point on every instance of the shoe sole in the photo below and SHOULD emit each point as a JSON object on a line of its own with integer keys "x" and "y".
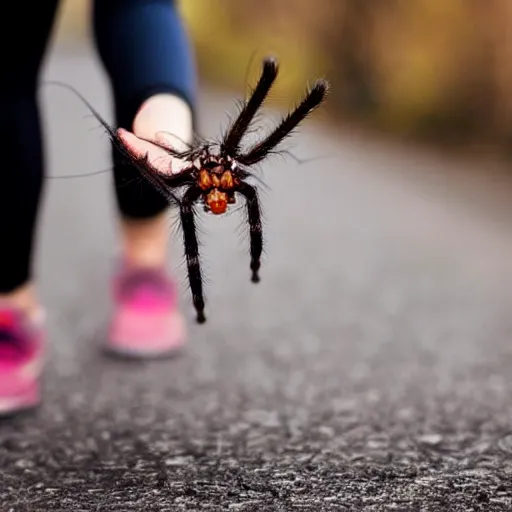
{"x": 142, "y": 354}
{"x": 149, "y": 349}
{"x": 13, "y": 405}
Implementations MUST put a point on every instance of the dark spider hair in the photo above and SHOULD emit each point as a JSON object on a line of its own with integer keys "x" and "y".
{"x": 217, "y": 171}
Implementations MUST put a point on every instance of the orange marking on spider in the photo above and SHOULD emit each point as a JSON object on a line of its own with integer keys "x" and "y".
{"x": 215, "y": 180}
{"x": 217, "y": 201}
{"x": 205, "y": 180}
{"x": 226, "y": 180}
{"x": 218, "y": 186}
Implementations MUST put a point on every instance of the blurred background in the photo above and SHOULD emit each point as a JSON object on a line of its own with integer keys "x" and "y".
{"x": 383, "y": 314}
{"x": 429, "y": 70}
{"x": 418, "y": 122}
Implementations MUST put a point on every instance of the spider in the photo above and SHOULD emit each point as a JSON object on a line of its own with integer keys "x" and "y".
{"x": 213, "y": 173}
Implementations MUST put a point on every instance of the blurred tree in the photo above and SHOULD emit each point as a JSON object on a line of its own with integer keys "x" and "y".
{"x": 345, "y": 39}
{"x": 495, "y": 68}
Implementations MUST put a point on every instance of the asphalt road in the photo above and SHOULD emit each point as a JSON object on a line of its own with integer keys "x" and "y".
{"x": 369, "y": 370}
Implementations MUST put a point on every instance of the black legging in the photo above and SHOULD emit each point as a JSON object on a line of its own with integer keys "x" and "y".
{"x": 145, "y": 50}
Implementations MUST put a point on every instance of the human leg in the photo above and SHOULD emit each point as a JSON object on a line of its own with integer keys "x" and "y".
{"x": 21, "y": 329}
{"x": 148, "y": 59}
{"x": 22, "y": 157}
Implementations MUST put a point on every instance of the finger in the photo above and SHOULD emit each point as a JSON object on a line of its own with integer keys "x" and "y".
{"x": 158, "y": 158}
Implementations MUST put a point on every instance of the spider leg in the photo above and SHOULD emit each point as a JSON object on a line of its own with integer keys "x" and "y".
{"x": 192, "y": 250}
{"x": 169, "y": 149}
{"x": 255, "y": 227}
{"x": 312, "y": 100}
{"x": 231, "y": 143}
{"x": 163, "y": 183}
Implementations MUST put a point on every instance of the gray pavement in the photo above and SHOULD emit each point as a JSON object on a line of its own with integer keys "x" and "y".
{"x": 369, "y": 370}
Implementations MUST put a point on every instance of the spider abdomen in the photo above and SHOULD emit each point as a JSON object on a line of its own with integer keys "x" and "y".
{"x": 216, "y": 201}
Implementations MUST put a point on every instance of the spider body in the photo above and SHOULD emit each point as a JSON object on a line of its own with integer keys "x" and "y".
{"x": 218, "y": 181}
{"x": 214, "y": 173}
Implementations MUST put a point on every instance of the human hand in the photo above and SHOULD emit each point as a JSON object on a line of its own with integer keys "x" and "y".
{"x": 158, "y": 158}
{"x": 166, "y": 121}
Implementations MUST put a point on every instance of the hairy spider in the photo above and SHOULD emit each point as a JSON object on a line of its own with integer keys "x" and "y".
{"x": 214, "y": 173}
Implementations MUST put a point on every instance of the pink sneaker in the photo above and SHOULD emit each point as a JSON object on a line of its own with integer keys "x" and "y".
{"x": 21, "y": 360}
{"x": 146, "y": 320}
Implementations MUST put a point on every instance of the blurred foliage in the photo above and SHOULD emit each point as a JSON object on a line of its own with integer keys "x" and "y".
{"x": 436, "y": 69}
